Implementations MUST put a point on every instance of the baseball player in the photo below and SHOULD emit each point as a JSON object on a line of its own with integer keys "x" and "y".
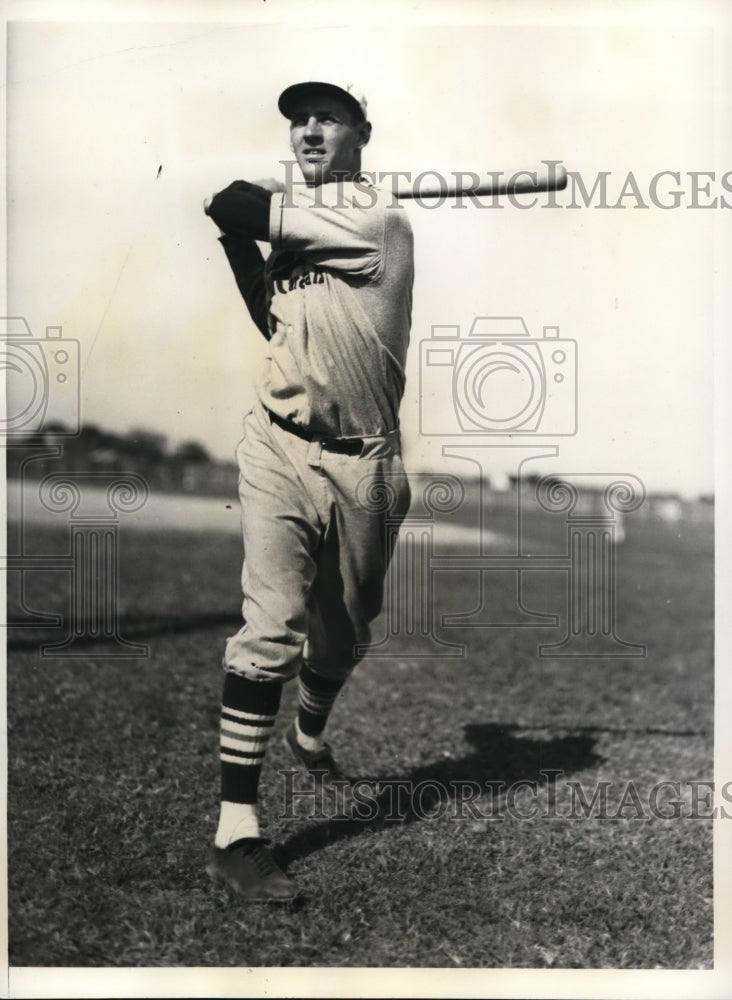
{"x": 334, "y": 301}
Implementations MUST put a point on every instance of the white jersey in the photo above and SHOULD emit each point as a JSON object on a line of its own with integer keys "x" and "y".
{"x": 339, "y": 287}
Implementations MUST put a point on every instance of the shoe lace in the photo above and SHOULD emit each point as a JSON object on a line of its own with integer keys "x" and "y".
{"x": 263, "y": 860}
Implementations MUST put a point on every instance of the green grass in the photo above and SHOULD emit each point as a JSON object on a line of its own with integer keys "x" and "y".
{"x": 113, "y": 782}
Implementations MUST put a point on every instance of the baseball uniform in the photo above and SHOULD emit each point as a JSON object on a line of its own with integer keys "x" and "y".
{"x": 334, "y": 300}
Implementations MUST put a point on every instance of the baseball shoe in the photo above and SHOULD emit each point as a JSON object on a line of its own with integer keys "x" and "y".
{"x": 247, "y": 867}
{"x": 319, "y": 763}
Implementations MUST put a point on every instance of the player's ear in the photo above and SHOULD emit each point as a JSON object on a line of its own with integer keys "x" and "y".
{"x": 364, "y": 134}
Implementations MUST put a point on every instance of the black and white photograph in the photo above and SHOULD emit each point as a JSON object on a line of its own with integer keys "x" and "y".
{"x": 366, "y": 439}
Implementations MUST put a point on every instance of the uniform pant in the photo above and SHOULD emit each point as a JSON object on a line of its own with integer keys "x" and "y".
{"x": 319, "y": 529}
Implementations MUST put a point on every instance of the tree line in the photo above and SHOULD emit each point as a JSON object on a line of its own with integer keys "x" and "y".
{"x": 186, "y": 467}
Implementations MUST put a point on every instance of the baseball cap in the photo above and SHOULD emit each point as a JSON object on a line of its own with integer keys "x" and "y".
{"x": 350, "y": 94}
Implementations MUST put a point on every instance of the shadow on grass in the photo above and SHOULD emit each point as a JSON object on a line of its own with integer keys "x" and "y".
{"x": 499, "y": 760}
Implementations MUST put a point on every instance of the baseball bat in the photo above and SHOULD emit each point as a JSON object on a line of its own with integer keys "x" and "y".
{"x": 550, "y": 176}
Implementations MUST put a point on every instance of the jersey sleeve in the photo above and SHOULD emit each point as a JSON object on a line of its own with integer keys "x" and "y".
{"x": 340, "y": 226}
{"x": 247, "y": 264}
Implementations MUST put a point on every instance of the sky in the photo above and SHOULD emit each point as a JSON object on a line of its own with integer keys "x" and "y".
{"x": 117, "y": 131}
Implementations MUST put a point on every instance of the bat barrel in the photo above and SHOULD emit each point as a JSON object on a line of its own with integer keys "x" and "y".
{"x": 550, "y": 176}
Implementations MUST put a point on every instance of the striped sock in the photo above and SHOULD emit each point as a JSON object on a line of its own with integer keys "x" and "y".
{"x": 248, "y": 711}
{"x": 316, "y": 696}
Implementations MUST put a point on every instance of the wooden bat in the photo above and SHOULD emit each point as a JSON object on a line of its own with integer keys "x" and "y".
{"x": 550, "y": 176}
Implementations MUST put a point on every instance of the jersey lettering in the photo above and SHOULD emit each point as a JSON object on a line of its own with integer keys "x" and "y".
{"x": 300, "y": 277}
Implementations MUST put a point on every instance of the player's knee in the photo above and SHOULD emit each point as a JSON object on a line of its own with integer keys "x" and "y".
{"x": 278, "y": 673}
{"x": 342, "y": 657}
{"x": 261, "y": 657}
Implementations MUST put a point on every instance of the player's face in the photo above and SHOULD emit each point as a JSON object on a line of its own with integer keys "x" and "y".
{"x": 327, "y": 140}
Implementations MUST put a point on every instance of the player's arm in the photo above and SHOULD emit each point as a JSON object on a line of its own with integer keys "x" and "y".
{"x": 241, "y": 211}
{"x": 336, "y": 226}
{"x": 247, "y": 263}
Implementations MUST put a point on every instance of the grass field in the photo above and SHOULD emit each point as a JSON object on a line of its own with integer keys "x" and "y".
{"x": 113, "y": 782}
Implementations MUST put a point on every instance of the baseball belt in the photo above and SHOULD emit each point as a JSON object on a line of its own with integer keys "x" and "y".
{"x": 344, "y": 446}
